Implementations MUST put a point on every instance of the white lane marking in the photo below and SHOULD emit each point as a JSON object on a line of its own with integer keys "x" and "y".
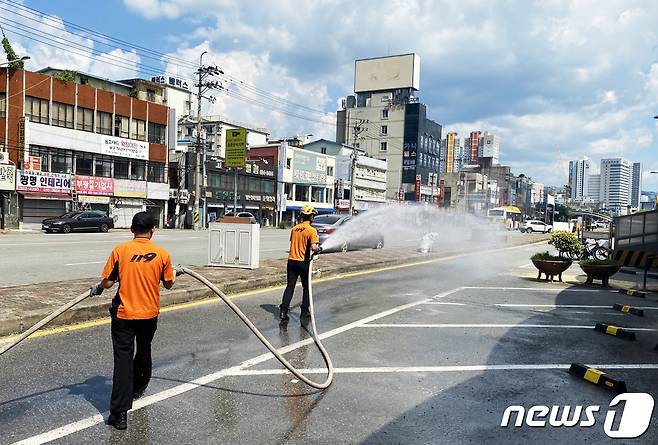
{"x": 526, "y": 266}
{"x": 539, "y": 289}
{"x": 86, "y": 262}
{"x": 447, "y": 303}
{"x": 88, "y": 422}
{"x": 485, "y": 326}
{"x": 447, "y": 368}
{"x": 575, "y": 306}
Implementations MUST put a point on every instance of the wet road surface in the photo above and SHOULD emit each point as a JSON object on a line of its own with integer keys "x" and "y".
{"x": 433, "y": 353}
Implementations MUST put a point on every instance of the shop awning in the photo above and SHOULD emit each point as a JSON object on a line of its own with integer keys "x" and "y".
{"x": 37, "y": 195}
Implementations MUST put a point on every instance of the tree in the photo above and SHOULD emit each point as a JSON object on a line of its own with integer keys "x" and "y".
{"x": 11, "y": 55}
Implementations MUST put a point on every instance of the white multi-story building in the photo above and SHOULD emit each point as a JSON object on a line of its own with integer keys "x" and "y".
{"x": 490, "y": 147}
{"x": 537, "y": 193}
{"x": 594, "y": 188}
{"x": 615, "y": 185}
{"x": 579, "y": 173}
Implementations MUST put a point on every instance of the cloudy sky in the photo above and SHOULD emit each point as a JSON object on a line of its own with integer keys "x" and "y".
{"x": 556, "y": 79}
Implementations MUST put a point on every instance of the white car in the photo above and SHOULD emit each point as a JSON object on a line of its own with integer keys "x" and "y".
{"x": 533, "y": 225}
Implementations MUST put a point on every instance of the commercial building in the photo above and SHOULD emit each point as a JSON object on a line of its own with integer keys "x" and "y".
{"x": 636, "y": 185}
{"x": 615, "y": 185}
{"x": 450, "y": 154}
{"x": 594, "y": 188}
{"x": 537, "y": 193}
{"x": 81, "y": 144}
{"x": 303, "y": 177}
{"x": 369, "y": 175}
{"x": 387, "y": 120}
{"x": 466, "y": 191}
{"x": 472, "y": 147}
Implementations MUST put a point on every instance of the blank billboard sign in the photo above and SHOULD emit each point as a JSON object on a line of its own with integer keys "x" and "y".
{"x": 387, "y": 73}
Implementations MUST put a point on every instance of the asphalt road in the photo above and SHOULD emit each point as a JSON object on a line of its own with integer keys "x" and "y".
{"x": 45, "y": 257}
{"x": 431, "y": 353}
{"x": 40, "y": 257}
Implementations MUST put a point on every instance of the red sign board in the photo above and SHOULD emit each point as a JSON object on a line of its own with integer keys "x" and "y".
{"x": 91, "y": 185}
{"x": 417, "y": 189}
{"x": 34, "y": 164}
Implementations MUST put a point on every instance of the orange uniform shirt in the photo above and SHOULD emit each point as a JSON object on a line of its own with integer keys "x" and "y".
{"x": 139, "y": 266}
{"x": 301, "y": 238}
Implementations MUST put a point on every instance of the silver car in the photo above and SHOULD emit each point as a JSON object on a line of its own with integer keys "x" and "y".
{"x": 326, "y": 225}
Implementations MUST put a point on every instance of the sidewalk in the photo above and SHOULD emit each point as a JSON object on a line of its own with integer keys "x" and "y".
{"x": 23, "y": 306}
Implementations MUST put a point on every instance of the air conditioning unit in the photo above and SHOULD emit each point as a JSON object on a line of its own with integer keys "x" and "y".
{"x": 4, "y": 157}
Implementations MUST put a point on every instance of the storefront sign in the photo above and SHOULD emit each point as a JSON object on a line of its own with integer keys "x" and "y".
{"x": 260, "y": 170}
{"x": 417, "y": 187}
{"x": 263, "y": 198}
{"x": 126, "y": 148}
{"x": 43, "y": 182}
{"x": 33, "y": 163}
{"x": 94, "y": 199}
{"x": 309, "y": 168}
{"x": 7, "y": 177}
{"x": 171, "y": 80}
{"x": 157, "y": 191}
{"x": 341, "y": 189}
{"x": 342, "y": 204}
{"x": 90, "y": 185}
{"x": 129, "y": 189}
{"x": 236, "y": 147}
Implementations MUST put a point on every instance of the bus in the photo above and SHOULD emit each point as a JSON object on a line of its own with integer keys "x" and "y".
{"x": 510, "y": 216}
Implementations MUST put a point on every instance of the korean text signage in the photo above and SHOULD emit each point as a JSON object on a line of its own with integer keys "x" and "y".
{"x": 418, "y": 188}
{"x": 129, "y": 189}
{"x": 236, "y": 147}
{"x": 33, "y": 163}
{"x": 126, "y": 148}
{"x": 43, "y": 182}
{"x": 7, "y": 177}
{"x": 171, "y": 80}
{"x": 260, "y": 170}
{"x": 90, "y": 185}
{"x": 309, "y": 168}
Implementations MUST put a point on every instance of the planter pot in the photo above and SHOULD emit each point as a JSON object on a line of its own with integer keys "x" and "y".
{"x": 602, "y": 273}
{"x": 551, "y": 268}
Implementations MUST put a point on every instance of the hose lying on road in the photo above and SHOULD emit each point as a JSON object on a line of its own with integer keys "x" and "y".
{"x": 268, "y": 345}
{"x": 238, "y": 312}
{"x": 45, "y": 321}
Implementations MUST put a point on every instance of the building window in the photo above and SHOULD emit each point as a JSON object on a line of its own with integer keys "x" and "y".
{"x": 323, "y": 150}
{"x": 301, "y": 192}
{"x": 210, "y": 129}
{"x": 121, "y": 168}
{"x": 62, "y": 115}
{"x": 357, "y": 145}
{"x": 62, "y": 161}
{"x": 121, "y": 124}
{"x": 3, "y": 104}
{"x": 157, "y": 133}
{"x": 85, "y": 119}
{"x": 330, "y": 170}
{"x": 385, "y": 113}
{"x": 150, "y": 95}
{"x": 44, "y": 154}
{"x": 138, "y": 130}
{"x": 156, "y": 172}
{"x": 384, "y": 129}
{"x": 189, "y": 131}
{"x": 103, "y": 166}
{"x": 288, "y": 162}
{"x": 137, "y": 170}
{"x": 104, "y": 123}
{"x": 36, "y": 109}
{"x": 287, "y": 190}
{"x": 383, "y": 146}
{"x": 83, "y": 163}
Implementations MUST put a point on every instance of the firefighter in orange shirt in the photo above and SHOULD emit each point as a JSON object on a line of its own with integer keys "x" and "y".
{"x": 304, "y": 241}
{"x": 139, "y": 266}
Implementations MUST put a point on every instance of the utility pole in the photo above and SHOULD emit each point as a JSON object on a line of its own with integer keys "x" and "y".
{"x": 203, "y": 72}
{"x": 356, "y": 131}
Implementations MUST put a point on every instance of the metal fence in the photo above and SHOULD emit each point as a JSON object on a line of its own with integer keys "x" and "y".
{"x": 637, "y": 232}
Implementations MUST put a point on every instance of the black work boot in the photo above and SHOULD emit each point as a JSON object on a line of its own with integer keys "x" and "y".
{"x": 118, "y": 420}
{"x": 283, "y": 314}
{"x": 139, "y": 392}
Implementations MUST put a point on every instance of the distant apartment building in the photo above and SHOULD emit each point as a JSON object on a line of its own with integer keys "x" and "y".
{"x": 385, "y": 118}
{"x": 636, "y": 185}
{"x": 472, "y": 147}
{"x": 489, "y": 148}
{"x": 450, "y": 153}
{"x": 594, "y": 188}
{"x": 615, "y": 185}
{"x": 579, "y": 172}
{"x": 537, "y": 193}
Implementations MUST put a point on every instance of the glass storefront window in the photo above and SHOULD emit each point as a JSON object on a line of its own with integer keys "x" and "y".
{"x": 62, "y": 162}
{"x": 103, "y": 166}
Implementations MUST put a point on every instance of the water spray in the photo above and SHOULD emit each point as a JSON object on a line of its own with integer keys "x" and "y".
{"x": 238, "y": 312}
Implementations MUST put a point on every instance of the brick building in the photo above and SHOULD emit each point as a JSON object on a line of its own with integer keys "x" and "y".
{"x": 75, "y": 145}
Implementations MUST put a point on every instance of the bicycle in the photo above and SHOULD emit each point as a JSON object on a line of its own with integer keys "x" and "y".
{"x": 591, "y": 250}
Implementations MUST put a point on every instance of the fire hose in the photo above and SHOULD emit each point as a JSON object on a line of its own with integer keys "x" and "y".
{"x": 297, "y": 373}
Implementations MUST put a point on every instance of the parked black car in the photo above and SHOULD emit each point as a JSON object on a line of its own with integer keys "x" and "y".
{"x": 79, "y": 221}
{"x": 326, "y": 225}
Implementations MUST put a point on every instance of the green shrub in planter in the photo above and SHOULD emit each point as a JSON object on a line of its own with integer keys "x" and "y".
{"x": 545, "y": 256}
{"x": 566, "y": 243}
{"x": 595, "y": 262}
